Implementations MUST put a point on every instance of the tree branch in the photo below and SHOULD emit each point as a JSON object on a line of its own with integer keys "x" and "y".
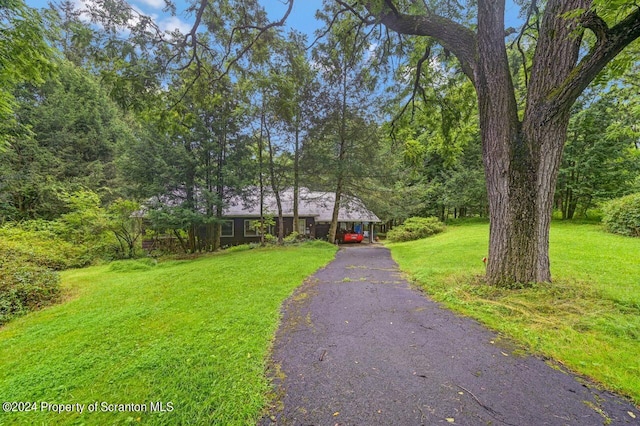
{"x": 610, "y": 42}
{"x": 416, "y": 88}
{"x": 453, "y": 36}
{"x": 351, "y": 8}
{"x": 328, "y": 29}
{"x": 533, "y": 9}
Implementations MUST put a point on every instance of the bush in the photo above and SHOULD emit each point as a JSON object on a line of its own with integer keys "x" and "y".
{"x": 293, "y": 238}
{"x": 43, "y": 247}
{"x": 415, "y": 228}
{"x": 25, "y": 284}
{"x": 622, "y": 215}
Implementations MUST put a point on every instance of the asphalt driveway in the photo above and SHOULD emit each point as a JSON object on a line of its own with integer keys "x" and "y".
{"x": 359, "y": 346}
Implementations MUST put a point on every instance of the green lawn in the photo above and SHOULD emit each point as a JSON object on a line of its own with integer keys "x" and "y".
{"x": 193, "y": 333}
{"x": 588, "y": 318}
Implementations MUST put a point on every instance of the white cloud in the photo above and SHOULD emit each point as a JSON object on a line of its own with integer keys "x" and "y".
{"x": 156, "y": 4}
{"x": 164, "y": 21}
{"x": 172, "y": 23}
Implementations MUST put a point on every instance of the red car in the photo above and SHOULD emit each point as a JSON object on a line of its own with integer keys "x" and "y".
{"x": 349, "y": 237}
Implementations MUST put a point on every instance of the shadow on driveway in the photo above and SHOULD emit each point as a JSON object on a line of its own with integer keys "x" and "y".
{"x": 359, "y": 346}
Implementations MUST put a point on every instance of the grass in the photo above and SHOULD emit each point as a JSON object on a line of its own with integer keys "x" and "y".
{"x": 588, "y": 318}
{"x": 194, "y": 333}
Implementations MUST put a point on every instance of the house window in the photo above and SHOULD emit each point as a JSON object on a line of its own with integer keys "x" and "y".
{"x": 248, "y": 230}
{"x": 302, "y": 226}
{"x": 227, "y": 228}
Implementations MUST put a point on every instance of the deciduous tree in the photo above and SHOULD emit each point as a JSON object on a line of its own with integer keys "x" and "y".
{"x": 521, "y": 152}
{"x": 600, "y": 159}
{"x": 345, "y": 131}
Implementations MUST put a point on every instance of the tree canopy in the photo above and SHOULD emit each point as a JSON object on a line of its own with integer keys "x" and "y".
{"x": 428, "y": 108}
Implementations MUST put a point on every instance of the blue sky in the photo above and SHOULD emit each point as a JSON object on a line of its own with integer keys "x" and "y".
{"x": 302, "y": 17}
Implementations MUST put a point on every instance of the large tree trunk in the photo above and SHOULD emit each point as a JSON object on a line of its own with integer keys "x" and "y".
{"x": 336, "y": 210}
{"x": 261, "y": 176}
{"x": 507, "y": 160}
{"x": 296, "y": 176}
{"x": 522, "y": 158}
{"x": 220, "y": 195}
{"x": 274, "y": 185}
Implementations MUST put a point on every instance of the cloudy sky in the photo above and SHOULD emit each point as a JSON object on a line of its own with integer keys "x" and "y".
{"x": 302, "y": 17}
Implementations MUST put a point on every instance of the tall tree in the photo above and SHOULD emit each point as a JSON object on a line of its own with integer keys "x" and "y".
{"x": 286, "y": 86}
{"x": 346, "y": 124}
{"x": 74, "y": 38}
{"x": 296, "y": 86}
{"x": 600, "y": 159}
{"x": 75, "y": 132}
{"x": 521, "y": 152}
{"x": 25, "y": 55}
{"x": 435, "y": 131}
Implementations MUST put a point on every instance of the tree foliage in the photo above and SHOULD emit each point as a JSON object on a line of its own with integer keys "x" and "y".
{"x": 25, "y": 56}
{"x": 416, "y": 228}
{"x": 523, "y": 135}
{"x": 344, "y": 135}
{"x": 67, "y": 135}
{"x": 232, "y": 104}
{"x": 601, "y": 159}
{"x": 622, "y": 215}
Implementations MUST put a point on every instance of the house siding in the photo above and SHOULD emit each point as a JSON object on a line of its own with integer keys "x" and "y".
{"x": 238, "y": 230}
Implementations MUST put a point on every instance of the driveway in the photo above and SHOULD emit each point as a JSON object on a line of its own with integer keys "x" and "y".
{"x": 359, "y": 346}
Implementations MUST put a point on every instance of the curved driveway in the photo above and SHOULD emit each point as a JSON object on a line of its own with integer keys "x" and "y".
{"x": 359, "y": 346}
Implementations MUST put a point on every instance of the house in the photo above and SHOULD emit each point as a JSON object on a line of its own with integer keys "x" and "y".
{"x": 315, "y": 209}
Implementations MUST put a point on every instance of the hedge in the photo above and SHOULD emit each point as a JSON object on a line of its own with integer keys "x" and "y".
{"x": 415, "y": 228}
{"x": 622, "y": 215}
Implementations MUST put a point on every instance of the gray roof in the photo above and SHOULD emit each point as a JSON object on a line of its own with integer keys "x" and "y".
{"x": 315, "y": 204}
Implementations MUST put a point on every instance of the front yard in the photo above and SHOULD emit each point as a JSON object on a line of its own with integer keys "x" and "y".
{"x": 181, "y": 342}
{"x": 588, "y": 318}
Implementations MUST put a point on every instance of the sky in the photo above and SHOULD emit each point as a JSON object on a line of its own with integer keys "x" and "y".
{"x": 302, "y": 17}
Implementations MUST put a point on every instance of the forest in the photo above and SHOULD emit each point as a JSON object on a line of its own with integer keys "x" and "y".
{"x": 102, "y": 111}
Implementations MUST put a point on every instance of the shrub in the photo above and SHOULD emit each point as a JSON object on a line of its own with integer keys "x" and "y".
{"x": 270, "y": 239}
{"x": 293, "y": 238}
{"x": 43, "y": 247}
{"x": 25, "y": 284}
{"x": 622, "y": 215}
{"x": 415, "y": 228}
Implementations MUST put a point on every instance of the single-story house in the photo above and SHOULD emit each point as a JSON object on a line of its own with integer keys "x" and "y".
{"x": 315, "y": 209}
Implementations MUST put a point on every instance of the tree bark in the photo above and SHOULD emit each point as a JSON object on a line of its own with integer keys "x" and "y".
{"x": 296, "y": 175}
{"x": 260, "y": 169}
{"x": 222, "y": 154}
{"x": 342, "y": 151}
{"x": 522, "y": 157}
{"x": 333, "y": 229}
{"x": 274, "y": 186}
{"x": 509, "y": 168}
